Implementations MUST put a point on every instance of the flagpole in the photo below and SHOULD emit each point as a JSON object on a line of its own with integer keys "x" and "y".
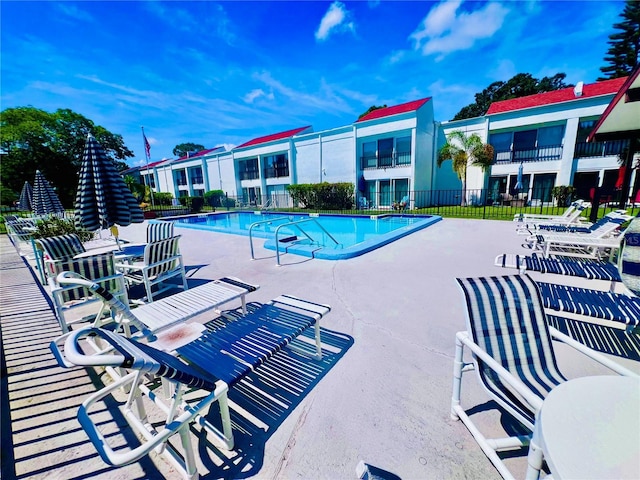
{"x": 147, "y": 155}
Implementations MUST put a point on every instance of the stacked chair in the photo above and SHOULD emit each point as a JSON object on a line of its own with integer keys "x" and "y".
{"x": 571, "y": 215}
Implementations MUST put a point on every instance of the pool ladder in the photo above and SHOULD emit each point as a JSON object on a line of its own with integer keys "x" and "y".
{"x": 295, "y": 224}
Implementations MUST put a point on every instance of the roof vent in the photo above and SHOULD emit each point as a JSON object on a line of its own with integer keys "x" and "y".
{"x": 577, "y": 90}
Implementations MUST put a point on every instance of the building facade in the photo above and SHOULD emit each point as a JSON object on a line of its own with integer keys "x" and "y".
{"x": 391, "y": 153}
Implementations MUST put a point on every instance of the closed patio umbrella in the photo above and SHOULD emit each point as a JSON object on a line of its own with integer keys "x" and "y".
{"x": 519, "y": 179}
{"x": 25, "y": 197}
{"x": 103, "y": 199}
{"x": 44, "y": 200}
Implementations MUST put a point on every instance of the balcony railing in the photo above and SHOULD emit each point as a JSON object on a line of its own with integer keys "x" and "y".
{"x": 538, "y": 154}
{"x": 399, "y": 159}
{"x": 276, "y": 172}
{"x": 197, "y": 180}
{"x": 600, "y": 149}
{"x": 249, "y": 175}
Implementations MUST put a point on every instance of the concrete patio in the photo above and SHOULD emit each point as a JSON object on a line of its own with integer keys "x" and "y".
{"x": 381, "y": 395}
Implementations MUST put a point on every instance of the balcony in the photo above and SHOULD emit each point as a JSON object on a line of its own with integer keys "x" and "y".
{"x": 600, "y": 149}
{"x": 276, "y": 172}
{"x": 399, "y": 159}
{"x": 538, "y": 154}
{"x": 249, "y": 175}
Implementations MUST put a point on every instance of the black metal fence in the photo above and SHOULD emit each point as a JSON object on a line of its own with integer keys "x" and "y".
{"x": 474, "y": 203}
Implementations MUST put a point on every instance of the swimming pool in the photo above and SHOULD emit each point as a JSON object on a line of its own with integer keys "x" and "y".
{"x": 329, "y": 237}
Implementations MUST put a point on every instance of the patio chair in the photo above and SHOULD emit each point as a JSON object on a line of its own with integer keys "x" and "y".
{"x": 604, "y": 227}
{"x": 101, "y": 270}
{"x": 50, "y": 250}
{"x": 162, "y": 261}
{"x": 214, "y": 362}
{"x": 571, "y": 214}
{"x": 585, "y": 268}
{"x": 159, "y": 231}
{"x": 571, "y": 228}
{"x": 513, "y": 355}
{"x": 20, "y": 232}
{"x": 403, "y": 204}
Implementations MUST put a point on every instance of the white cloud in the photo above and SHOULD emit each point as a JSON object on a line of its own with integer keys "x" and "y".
{"x": 255, "y": 94}
{"x": 73, "y": 12}
{"x": 336, "y": 20}
{"x": 445, "y": 29}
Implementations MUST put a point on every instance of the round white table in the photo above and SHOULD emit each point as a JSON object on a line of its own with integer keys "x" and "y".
{"x": 589, "y": 428}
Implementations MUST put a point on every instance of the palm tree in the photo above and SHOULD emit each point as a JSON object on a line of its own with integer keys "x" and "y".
{"x": 463, "y": 151}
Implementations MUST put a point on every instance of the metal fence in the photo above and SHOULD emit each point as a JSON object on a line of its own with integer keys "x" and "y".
{"x": 474, "y": 203}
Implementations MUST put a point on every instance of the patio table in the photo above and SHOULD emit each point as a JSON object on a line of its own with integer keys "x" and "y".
{"x": 589, "y": 428}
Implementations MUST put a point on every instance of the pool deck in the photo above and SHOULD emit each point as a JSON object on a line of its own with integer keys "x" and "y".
{"x": 381, "y": 394}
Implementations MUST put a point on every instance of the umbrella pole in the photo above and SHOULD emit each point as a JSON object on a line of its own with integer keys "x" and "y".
{"x": 115, "y": 233}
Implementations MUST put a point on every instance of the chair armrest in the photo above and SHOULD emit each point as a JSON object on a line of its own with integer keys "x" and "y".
{"x": 533, "y": 400}
{"x": 596, "y": 356}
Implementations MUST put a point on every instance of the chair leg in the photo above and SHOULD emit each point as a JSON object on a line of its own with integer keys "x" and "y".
{"x": 458, "y": 364}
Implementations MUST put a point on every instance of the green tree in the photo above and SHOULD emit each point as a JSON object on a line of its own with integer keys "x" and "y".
{"x": 624, "y": 45}
{"x": 463, "y": 151}
{"x": 187, "y": 148}
{"x": 137, "y": 189}
{"x": 32, "y": 139}
{"x": 520, "y": 85}
{"x": 371, "y": 109}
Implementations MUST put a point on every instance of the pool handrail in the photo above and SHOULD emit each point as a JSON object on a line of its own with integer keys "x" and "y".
{"x": 295, "y": 224}
{"x": 258, "y": 223}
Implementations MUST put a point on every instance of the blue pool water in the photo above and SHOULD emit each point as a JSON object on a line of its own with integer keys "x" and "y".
{"x": 330, "y": 237}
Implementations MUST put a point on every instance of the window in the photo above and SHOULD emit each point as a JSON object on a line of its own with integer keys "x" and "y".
{"x": 276, "y": 166}
{"x": 149, "y": 180}
{"x": 369, "y": 159}
{"x": 195, "y": 174}
{"x": 181, "y": 177}
{"x": 550, "y": 136}
{"x": 248, "y": 169}
{"x": 500, "y": 141}
{"x": 385, "y": 152}
{"x": 403, "y": 150}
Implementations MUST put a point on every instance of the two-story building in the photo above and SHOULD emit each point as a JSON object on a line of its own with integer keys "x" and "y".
{"x": 544, "y": 136}
{"x": 392, "y": 152}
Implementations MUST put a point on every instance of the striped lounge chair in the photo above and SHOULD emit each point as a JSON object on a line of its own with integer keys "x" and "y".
{"x": 214, "y": 362}
{"x": 585, "y": 268}
{"x": 513, "y": 354}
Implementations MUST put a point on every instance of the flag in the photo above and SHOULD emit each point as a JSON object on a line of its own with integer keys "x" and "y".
{"x": 147, "y": 147}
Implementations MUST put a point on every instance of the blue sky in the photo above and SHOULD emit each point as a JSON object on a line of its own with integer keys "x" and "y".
{"x": 222, "y": 73}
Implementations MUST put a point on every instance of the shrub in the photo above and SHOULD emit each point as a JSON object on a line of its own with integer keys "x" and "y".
{"x": 323, "y": 196}
{"x": 562, "y": 194}
{"x": 162, "y": 198}
{"x": 213, "y": 198}
{"x": 196, "y": 204}
{"x": 54, "y": 226}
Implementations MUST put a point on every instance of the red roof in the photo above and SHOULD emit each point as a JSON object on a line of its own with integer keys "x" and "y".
{"x": 606, "y": 87}
{"x": 395, "y": 110}
{"x": 612, "y": 105}
{"x": 275, "y": 136}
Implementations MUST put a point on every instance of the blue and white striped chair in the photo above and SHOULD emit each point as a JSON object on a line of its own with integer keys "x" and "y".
{"x": 629, "y": 258}
{"x": 101, "y": 270}
{"x": 159, "y": 231}
{"x": 162, "y": 261}
{"x": 511, "y": 344}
